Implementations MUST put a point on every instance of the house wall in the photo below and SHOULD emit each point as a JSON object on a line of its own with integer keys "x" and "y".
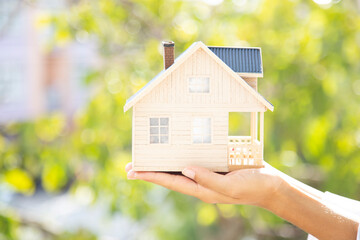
{"x": 252, "y": 81}
{"x": 171, "y": 98}
{"x": 180, "y": 152}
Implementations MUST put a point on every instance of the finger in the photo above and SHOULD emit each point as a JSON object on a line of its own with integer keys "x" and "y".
{"x": 128, "y": 167}
{"x": 183, "y": 185}
{"x": 173, "y": 182}
{"x": 209, "y": 179}
{"x": 131, "y": 175}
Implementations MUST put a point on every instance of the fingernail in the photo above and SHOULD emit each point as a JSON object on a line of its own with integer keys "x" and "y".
{"x": 189, "y": 173}
{"x": 131, "y": 175}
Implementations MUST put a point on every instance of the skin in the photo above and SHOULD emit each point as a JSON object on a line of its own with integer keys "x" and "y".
{"x": 265, "y": 187}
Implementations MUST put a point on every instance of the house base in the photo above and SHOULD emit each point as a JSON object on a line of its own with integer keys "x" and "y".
{"x": 178, "y": 169}
{"x": 239, "y": 167}
{"x": 173, "y": 168}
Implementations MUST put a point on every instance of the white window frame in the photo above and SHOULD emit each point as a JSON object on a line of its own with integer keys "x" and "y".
{"x": 200, "y": 77}
{"x": 159, "y": 128}
{"x": 202, "y": 135}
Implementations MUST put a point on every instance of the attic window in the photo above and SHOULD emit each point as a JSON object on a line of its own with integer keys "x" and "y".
{"x": 159, "y": 130}
{"x": 199, "y": 84}
{"x": 201, "y": 130}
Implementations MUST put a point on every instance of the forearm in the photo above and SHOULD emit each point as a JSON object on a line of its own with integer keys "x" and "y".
{"x": 308, "y": 213}
{"x": 302, "y": 186}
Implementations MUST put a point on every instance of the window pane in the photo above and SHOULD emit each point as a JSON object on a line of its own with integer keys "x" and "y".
{"x": 199, "y": 85}
{"x": 164, "y": 121}
{"x": 206, "y": 126}
{"x": 154, "y": 121}
{"x": 206, "y": 85}
{"x": 159, "y": 130}
{"x": 207, "y": 139}
{"x": 195, "y": 89}
{"x": 197, "y": 139}
{"x": 192, "y": 81}
{"x": 207, "y": 121}
{"x": 197, "y": 131}
{"x": 192, "y": 88}
{"x": 154, "y": 139}
{"x": 197, "y": 122}
{"x": 164, "y": 130}
{"x": 154, "y": 130}
{"x": 201, "y": 130}
{"x": 206, "y": 131}
{"x": 164, "y": 139}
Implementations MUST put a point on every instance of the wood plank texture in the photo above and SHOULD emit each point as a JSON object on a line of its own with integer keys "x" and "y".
{"x": 224, "y": 89}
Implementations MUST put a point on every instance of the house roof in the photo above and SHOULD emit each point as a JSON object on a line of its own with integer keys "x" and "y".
{"x": 179, "y": 60}
{"x": 158, "y": 75}
{"x": 240, "y": 60}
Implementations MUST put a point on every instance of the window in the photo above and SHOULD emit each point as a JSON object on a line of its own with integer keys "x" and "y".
{"x": 199, "y": 84}
{"x": 159, "y": 130}
{"x": 201, "y": 130}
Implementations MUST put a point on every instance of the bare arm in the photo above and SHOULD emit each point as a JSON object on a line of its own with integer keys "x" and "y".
{"x": 266, "y": 188}
{"x": 308, "y": 213}
{"x": 314, "y": 197}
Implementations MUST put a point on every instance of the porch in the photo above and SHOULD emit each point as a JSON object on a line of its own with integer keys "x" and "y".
{"x": 247, "y": 151}
{"x": 244, "y": 153}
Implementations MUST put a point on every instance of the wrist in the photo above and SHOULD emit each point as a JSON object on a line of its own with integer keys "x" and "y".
{"x": 276, "y": 194}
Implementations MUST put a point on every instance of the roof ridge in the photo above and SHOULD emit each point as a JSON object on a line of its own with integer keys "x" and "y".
{"x": 234, "y": 47}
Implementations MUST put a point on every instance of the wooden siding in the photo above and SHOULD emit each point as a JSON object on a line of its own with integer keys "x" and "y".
{"x": 180, "y": 152}
{"x": 224, "y": 90}
{"x": 252, "y": 81}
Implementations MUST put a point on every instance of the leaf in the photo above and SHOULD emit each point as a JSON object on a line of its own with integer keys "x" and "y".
{"x": 20, "y": 180}
{"x": 53, "y": 177}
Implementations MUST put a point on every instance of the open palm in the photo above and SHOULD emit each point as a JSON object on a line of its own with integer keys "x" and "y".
{"x": 246, "y": 186}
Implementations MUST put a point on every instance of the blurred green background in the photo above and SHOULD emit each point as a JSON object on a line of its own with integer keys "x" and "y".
{"x": 311, "y": 61}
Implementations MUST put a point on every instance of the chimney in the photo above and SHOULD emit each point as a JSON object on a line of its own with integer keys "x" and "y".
{"x": 169, "y": 53}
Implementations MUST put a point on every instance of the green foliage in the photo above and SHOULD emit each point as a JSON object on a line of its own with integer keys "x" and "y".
{"x": 8, "y": 226}
{"x": 311, "y": 75}
{"x": 78, "y": 235}
{"x": 20, "y": 180}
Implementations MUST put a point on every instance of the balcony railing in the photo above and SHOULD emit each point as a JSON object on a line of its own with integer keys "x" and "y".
{"x": 243, "y": 152}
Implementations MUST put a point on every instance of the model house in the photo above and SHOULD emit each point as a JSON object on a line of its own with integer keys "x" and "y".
{"x": 181, "y": 117}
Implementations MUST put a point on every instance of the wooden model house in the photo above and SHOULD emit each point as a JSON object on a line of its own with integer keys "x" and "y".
{"x": 181, "y": 117}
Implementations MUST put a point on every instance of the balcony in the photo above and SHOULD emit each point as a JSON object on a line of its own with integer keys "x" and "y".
{"x": 244, "y": 153}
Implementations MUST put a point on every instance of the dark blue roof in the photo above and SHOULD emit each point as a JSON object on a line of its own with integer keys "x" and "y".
{"x": 241, "y": 60}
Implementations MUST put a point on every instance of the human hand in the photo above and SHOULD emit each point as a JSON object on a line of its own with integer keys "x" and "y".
{"x": 246, "y": 186}
{"x": 265, "y": 187}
